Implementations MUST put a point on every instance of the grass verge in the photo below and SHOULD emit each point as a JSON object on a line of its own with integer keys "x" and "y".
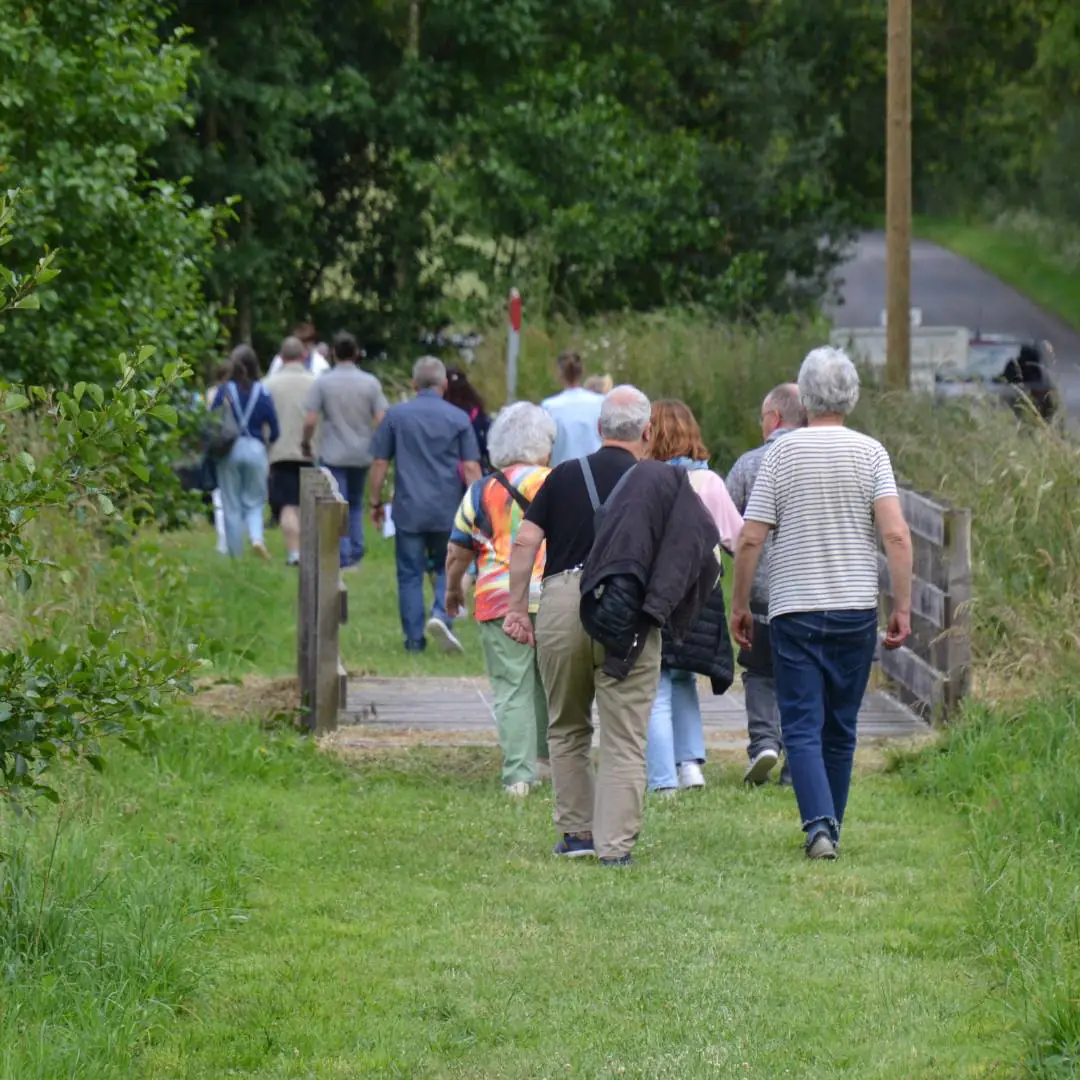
{"x": 397, "y": 917}
{"x": 1014, "y": 255}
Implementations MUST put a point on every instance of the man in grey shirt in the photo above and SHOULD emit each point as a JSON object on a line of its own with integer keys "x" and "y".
{"x": 351, "y": 404}
{"x": 437, "y": 456}
{"x": 781, "y": 412}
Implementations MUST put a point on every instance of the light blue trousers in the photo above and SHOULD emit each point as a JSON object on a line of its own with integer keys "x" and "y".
{"x": 675, "y": 731}
{"x": 242, "y": 479}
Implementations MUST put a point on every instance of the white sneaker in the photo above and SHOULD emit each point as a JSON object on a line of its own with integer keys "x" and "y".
{"x": 518, "y": 790}
{"x": 757, "y": 772}
{"x": 443, "y": 637}
{"x": 690, "y": 775}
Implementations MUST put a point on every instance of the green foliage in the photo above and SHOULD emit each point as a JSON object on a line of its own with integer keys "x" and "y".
{"x": 87, "y": 92}
{"x": 75, "y": 457}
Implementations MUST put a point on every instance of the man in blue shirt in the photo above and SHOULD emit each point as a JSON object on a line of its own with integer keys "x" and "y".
{"x": 437, "y": 458}
{"x": 576, "y": 412}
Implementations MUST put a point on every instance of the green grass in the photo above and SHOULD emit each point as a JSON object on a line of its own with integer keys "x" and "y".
{"x": 1016, "y": 258}
{"x": 397, "y": 917}
{"x": 251, "y": 606}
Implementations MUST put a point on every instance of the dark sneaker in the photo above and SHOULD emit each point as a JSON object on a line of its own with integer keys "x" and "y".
{"x": 821, "y": 847}
{"x": 763, "y": 763}
{"x": 618, "y": 860}
{"x": 573, "y": 847}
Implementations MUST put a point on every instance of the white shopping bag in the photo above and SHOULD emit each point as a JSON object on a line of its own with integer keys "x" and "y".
{"x": 388, "y": 523}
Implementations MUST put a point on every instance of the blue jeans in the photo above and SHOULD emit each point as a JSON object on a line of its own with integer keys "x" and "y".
{"x": 675, "y": 734}
{"x": 821, "y": 662}
{"x": 413, "y": 551}
{"x": 242, "y": 479}
{"x": 350, "y": 482}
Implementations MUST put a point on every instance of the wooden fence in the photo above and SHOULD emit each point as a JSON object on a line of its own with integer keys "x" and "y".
{"x": 324, "y": 519}
{"x": 932, "y": 673}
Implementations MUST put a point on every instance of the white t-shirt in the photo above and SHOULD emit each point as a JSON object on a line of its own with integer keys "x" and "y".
{"x": 817, "y": 487}
{"x": 319, "y": 364}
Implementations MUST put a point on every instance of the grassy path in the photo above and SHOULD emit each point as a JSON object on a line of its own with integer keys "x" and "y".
{"x": 403, "y": 920}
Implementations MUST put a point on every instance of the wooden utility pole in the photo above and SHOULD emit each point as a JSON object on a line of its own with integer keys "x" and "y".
{"x": 898, "y": 199}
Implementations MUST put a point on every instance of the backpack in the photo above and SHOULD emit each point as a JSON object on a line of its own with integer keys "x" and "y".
{"x": 225, "y": 428}
{"x": 600, "y": 508}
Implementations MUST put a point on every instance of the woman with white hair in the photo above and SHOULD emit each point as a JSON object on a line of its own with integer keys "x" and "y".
{"x": 823, "y": 489}
{"x": 519, "y": 446}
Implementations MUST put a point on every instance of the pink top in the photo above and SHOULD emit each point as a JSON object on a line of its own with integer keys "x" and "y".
{"x": 713, "y": 493}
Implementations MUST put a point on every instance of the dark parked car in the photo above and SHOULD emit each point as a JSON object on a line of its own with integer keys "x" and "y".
{"x": 1020, "y": 373}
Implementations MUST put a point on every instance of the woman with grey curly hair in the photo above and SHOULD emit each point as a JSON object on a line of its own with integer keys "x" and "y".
{"x": 519, "y": 446}
{"x": 823, "y": 490}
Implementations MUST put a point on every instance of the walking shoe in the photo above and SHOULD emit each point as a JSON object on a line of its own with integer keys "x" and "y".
{"x": 618, "y": 860}
{"x": 260, "y": 550}
{"x": 443, "y": 637}
{"x": 573, "y": 847}
{"x": 518, "y": 790}
{"x": 665, "y": 792}
{"x": 821, "y": 847}
{"x": 762, "y": 763}
{"x": 690, "y": 775}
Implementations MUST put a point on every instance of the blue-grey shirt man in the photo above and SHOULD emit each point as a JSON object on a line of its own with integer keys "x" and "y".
{"x": 435, "y": 452}
{"x": 781, "y": 412}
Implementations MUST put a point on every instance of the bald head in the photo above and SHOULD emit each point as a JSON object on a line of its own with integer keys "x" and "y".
{"x": 782, "y": 408}
{"x": 292, "y": 349}
{"x": 624, "y": 417}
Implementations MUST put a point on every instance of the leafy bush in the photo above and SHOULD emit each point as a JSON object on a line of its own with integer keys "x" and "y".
{"x": 72, "y": 459}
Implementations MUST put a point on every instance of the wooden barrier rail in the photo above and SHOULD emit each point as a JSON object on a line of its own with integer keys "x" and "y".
{"x": 324, "y": 519}
{"x": 932, "y": 673}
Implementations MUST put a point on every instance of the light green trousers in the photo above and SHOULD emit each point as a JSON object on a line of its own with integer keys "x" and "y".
{"x": 520, "y": 706}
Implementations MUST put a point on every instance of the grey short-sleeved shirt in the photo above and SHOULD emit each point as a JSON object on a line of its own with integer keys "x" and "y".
{"x": 428, "y": 439}
{"x": 348, "y": 400}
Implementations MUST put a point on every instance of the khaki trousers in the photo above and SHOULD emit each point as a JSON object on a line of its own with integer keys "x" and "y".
{"x": 609, "y": 805}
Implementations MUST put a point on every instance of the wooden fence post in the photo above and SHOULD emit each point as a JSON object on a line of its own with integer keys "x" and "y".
{"x": 323, "y": 521}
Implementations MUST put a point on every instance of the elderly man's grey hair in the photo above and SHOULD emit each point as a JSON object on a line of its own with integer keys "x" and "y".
{"x": 786, "y": 401}
{"x": 429, "y": 372}
{"x": 522, "y": 434}
{"x": 828, "y": 383}
{"x": 292, "y": 348}
{"x": 624, "y": 415}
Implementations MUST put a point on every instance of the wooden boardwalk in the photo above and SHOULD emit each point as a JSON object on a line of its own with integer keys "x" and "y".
{"x": 458, "y": 711}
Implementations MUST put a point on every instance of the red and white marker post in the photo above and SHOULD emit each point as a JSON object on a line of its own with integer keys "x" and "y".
{"x": 513, "y": 346}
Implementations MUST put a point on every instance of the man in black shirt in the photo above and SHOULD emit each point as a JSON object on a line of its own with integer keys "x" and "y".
{"x": 604, "y": 817}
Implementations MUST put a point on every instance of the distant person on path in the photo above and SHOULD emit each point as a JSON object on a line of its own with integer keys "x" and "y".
{"x": 822, "y": 490}
{"x": 487, "y": 522}
{"x": 243, "y": 471}
{"x": 221, "y": 377}
{"x": 576, "y": 411}
{"x": 675, "y": 746}
{"x": 351, "y": 405}
{"x": 290, "y": 389}
{"x": 427, "y": 439}
{"x": 460, "y": 392}
{"x": 781, "y": 412}
{"x": 629, "y": 575}
{"x": 315, "y": 353}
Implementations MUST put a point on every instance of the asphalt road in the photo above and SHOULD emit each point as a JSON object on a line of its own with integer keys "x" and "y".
{"x": 953, "y": 292}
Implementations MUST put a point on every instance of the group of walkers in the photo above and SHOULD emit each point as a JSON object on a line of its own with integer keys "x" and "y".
{"x": 591, "y": 531}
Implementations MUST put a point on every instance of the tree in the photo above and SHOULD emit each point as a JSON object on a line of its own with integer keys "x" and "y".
{"x": 87, "y": 93}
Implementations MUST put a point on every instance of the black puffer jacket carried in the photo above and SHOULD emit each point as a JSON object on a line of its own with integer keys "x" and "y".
{"x": 653, "y": 564}
{"x": 705, "y": 649}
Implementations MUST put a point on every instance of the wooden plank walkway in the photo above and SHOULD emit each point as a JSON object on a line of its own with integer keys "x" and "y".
{"x": 459, "y": 711}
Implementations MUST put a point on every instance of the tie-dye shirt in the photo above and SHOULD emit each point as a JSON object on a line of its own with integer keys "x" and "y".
{"x": 487, "y": 521}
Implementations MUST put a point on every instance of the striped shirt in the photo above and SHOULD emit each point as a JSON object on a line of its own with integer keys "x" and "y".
{"x": 817, "y": 488}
